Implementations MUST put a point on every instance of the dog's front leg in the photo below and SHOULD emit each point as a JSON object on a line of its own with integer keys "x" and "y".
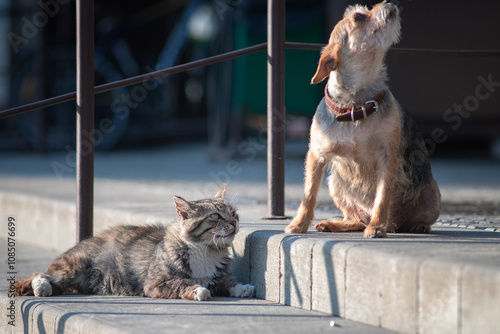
{"x": 380, "y": 220}
{"x": 315, "y": 168}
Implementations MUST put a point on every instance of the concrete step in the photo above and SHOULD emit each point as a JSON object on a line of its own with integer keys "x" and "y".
{"x": 111, "y": 314}
{"x": 444, "y": 282}
{"x": 447, "y": 281}
{"x": 121, "y": 315}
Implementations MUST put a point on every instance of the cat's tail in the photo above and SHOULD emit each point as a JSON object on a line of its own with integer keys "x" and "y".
{"x": 40, "y": 285}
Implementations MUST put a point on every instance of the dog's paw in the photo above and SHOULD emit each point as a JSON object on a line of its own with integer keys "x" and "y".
{"x": 297, "y": 226}
{"x": 242, "y": 291}
{"x": 424, "y": 228}
{"x": 375, "y": 232}
{"x": 325, "y": 226}
{"x": 41, "y": 286}
{"x": 202, "y": 294}
{"x": 339, "y": 225}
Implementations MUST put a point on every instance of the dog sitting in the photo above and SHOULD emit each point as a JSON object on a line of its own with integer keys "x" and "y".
{"x": 380, "y": 175}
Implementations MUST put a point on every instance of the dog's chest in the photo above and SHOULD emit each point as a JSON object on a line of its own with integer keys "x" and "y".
{"x": 350, "y": 140}
{"x": 343, "y": 139}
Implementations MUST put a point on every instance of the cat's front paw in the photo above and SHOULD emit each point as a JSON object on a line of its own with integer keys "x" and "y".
{"x": 41, "y": 286}
{"x": 242, "y": 291}
{"x": 202, "y": 294}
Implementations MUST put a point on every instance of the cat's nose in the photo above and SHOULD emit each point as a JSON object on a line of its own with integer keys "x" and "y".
{"x": 234, "y": 223}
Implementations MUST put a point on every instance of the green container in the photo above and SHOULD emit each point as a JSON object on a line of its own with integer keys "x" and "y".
{"x": 250, "y": 73}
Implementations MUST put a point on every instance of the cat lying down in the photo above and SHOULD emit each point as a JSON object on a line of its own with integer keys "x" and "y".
{"x": 186, "y": 260}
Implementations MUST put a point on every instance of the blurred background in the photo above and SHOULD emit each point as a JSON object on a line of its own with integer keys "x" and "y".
{"x": 455, "y": 99}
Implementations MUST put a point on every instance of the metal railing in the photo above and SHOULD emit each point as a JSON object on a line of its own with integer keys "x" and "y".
{"x": 85, "y": 92}
{"x": 84, "y": 96}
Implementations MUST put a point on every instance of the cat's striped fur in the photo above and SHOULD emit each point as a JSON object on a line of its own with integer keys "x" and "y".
{"x": 188, "y": 259}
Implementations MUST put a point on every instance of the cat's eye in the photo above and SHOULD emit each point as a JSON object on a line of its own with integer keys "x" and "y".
{"x": 215, "y": 216}
{"x": 359, "y": 16}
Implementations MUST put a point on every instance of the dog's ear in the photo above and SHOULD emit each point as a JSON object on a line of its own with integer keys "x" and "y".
{"x": 327, "y": 63}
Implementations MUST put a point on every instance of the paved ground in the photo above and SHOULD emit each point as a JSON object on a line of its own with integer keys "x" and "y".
{"x": 446, "y": 280}
{"x": 470, "y": 188}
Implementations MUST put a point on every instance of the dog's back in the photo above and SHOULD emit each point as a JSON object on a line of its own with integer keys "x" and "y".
{"x": 419, "y": 200}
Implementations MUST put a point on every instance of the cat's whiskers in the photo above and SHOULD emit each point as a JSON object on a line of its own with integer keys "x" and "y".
{"x": 214, "y": 239}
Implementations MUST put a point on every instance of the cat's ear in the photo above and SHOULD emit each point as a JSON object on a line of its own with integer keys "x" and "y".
{"x": 222, "y": 191}
{"x": 183, "y": 207}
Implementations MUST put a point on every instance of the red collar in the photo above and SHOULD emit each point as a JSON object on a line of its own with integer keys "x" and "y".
{"x": 352, "y": 113}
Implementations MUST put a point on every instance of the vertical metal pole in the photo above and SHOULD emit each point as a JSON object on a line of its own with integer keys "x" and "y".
{"x": 275, "y": 108}
{"x": 85, "y": 118}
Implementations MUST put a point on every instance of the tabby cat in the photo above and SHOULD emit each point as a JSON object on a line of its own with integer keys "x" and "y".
{"x": 188, "y": 259}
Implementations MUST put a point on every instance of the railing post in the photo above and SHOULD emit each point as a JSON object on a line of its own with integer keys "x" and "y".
{"x": 85, "y": 118}
{"x": 275, "y": 108}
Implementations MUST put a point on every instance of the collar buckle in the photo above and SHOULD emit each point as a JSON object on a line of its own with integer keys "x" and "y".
{"x": 375, "y": 104}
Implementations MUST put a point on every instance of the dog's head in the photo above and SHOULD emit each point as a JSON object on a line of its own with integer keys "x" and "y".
{"x": 361, "y": 33}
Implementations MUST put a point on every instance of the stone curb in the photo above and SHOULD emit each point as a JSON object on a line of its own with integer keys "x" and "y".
{"x": 422, "y": 286}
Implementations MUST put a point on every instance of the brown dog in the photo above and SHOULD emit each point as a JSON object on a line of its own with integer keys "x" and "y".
{"x": 380, "y": 176}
